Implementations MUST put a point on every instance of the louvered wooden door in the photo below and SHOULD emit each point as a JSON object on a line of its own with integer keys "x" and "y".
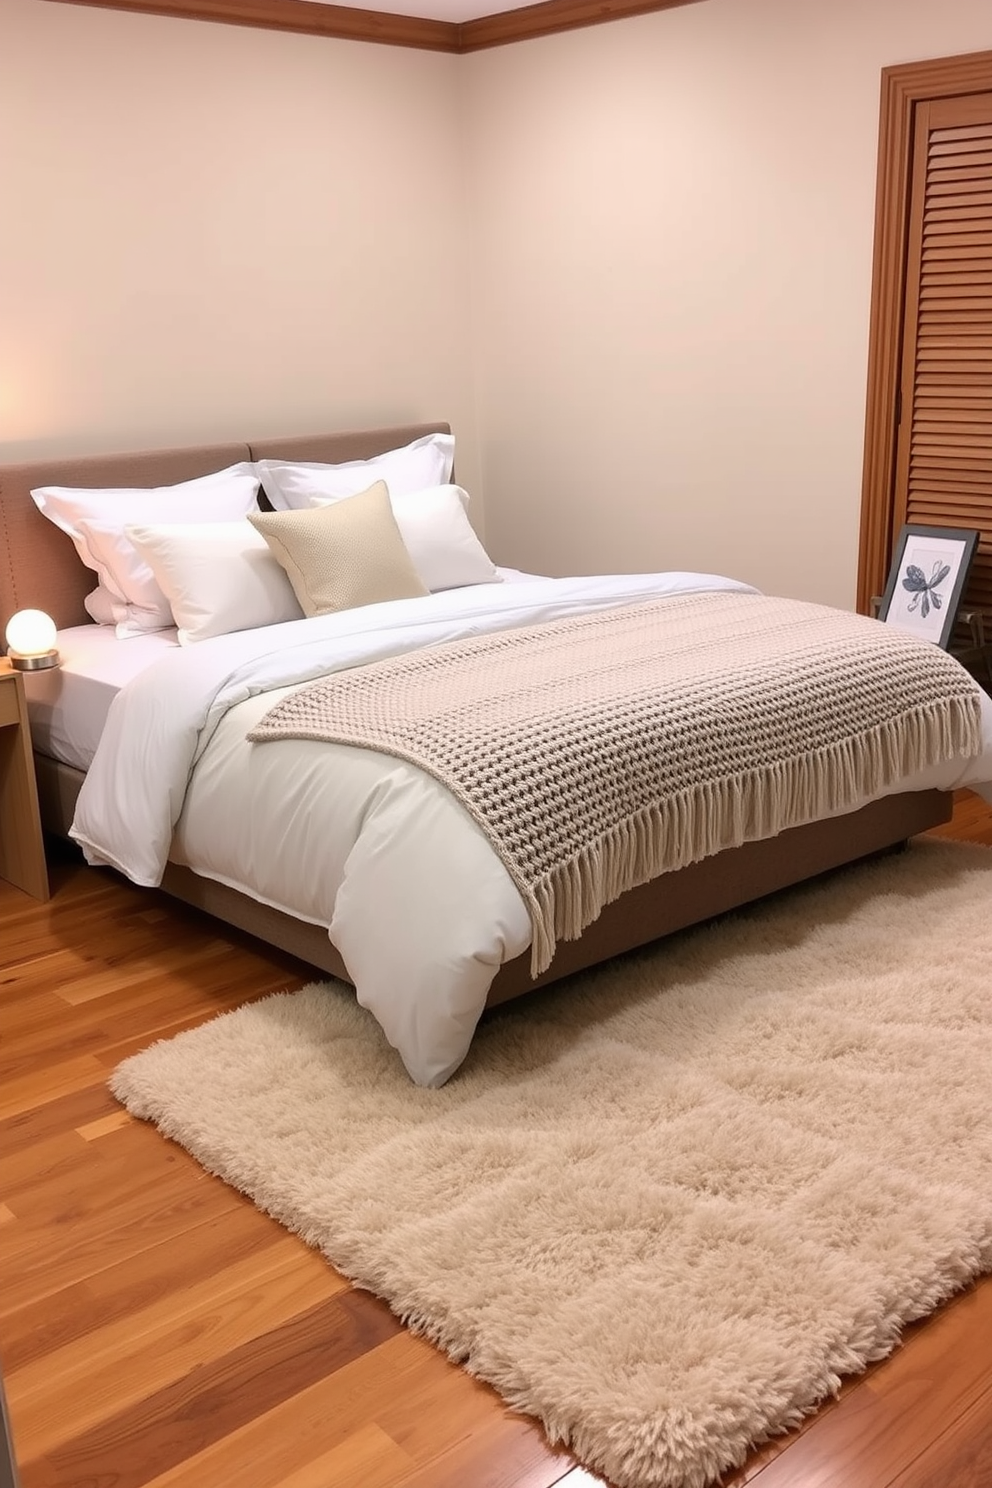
{"x": 943, "y": 464}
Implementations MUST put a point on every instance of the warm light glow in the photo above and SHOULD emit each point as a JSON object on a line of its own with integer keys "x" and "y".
{"x": 31, "y": 633}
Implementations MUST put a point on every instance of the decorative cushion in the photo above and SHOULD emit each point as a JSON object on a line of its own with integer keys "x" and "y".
{"x": 343, "y": 555}
{"x": 440, "y": 539}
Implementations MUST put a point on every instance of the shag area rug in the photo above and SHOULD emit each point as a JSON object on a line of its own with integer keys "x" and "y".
{"x": 665, "y": 1207}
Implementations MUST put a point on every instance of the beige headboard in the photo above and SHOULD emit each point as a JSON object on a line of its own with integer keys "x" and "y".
{"x": 39, "y": 567}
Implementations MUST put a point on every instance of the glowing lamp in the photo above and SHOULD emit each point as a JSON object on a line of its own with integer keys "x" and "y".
{"x": 31, "y": 637}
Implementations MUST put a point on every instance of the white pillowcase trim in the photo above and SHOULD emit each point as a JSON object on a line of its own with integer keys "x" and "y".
{"x": 218, "y": 577}
{"x": 99, "y": 605}
{"x": 120, "y": 566}
{"x": 424, "y": 462}
{"x": 95, "y": 519}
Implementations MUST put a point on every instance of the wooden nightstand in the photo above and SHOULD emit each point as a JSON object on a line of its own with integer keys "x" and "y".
{"x": 22, "y": 847}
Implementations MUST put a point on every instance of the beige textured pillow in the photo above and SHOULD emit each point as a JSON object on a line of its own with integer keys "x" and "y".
{"x": 341, "y": 556}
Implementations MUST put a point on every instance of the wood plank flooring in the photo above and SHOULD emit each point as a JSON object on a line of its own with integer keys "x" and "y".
{"x": 157, "y": 1331}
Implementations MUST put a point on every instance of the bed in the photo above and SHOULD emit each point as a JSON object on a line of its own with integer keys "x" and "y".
{"x": 40, "y": 567}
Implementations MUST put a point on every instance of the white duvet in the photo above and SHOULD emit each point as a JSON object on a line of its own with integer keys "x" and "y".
{"x": 420, "y": 908}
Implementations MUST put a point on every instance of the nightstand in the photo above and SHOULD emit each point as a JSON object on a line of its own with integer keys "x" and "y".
{"x": 22, "y": 847}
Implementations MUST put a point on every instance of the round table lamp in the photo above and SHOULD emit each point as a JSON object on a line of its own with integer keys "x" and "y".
{"x": 31, "y": 637}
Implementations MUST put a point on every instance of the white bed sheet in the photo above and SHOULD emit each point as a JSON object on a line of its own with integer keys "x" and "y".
{"x": 68, "y": 705}
{"x": 419, "y": 906}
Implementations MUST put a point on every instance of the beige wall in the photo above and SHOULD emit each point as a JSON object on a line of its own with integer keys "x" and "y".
{"x": 630, "y": 263}
{"x": 217, "y": 231}
{"x": 672, "y": 221}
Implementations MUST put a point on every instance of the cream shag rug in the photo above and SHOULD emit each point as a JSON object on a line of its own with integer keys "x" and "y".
{"x": 663, "y": 1208}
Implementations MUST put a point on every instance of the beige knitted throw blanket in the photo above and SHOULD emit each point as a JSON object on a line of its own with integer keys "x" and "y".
{"x": 600, "y": 751}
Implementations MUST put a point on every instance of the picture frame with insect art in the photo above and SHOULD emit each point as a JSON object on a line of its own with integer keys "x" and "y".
{"x": 927, "y": 578}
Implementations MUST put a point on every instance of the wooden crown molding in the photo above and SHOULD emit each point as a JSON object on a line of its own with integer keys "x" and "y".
{"x": 349, "y": 24}
{"x": 903, "y": 87}
{"x": 550, "y": 16}
{"x": 302, "y": 16}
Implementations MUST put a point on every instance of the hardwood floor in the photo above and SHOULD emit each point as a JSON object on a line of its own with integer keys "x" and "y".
{"x": 157, "y": 1331}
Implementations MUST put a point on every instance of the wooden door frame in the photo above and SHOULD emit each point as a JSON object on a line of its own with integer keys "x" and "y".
{"x": 903, "y": 88}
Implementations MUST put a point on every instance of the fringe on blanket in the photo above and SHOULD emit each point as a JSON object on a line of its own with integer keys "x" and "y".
{"x": 703, "y": 820}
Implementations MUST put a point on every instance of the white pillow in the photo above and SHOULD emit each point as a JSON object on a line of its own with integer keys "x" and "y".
{"x": 145, "y": 608}
{"x": 99, "y": 605}
{"x": 440, "y": 539}
{"x": 217, "y": 576}
{"x": 95, "y": 520}
{"x": 426, "y": 462}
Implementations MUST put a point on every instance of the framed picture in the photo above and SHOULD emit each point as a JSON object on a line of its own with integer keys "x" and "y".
{"x": 929, "y": 570}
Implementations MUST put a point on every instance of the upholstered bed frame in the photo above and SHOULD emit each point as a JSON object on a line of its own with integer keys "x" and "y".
{"x": 39, "y": 569}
